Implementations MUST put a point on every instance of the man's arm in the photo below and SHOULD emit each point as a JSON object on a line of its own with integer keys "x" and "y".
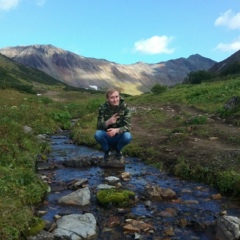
{"x": 103, "y": 123}
{"x": 125, "y": 121}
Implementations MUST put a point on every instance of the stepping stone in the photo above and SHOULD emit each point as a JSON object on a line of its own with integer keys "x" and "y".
{"x": 113, "y": 163}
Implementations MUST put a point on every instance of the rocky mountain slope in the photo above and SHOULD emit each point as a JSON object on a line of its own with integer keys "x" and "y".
{"x": 223, "y": 65}
{"x": 79, "y": 71}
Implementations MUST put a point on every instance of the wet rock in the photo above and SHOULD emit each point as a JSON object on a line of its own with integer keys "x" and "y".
{"x": 176, "y": 200}
{"x": 123, "y": 210}
{"x": 125, "y": 175}
{"x": 113, "y": 221}
{"x": 136, "y": 226}
{"x": 228, "y": 228}
{"x": 41, "y": 212}
{"x": 56, "y": 217}
{"x": 113, "y": 163}
{"x": 168, "y": 212}
{"x": 104, "y": 186}
{"x": 216, "y": 196}
{"x": 112, "y": 179}
{"x": 80, "y": 197}
{"x": 137, "y": 236}
{"x": 223, "y": 213}
{"x": 169, "y": 231}
{"x": 76, "y": 184}
{"x": 159, "y": 193}
{"x": 76, "y": 226}
{"x": 190, "y": 202}
{"x": 183, "y": 222}
{"x": 50, "y": 226}
{"x": 82, "y": 161}
{"x": 168, "y": 193}
{"x": 147, "y": 204}
{"x": 45, "y": 166}
{"x": 58, "y": 187}
{"x": 186, "y": 190}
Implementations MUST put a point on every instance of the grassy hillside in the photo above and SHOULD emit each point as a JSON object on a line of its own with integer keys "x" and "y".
{"x": 17, "y": 76}
{"x": 20, "y": 187}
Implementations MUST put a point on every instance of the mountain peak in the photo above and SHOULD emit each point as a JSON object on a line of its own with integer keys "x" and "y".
{"x": 79, "y": 71}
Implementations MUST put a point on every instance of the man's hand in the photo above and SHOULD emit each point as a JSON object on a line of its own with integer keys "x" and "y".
{"x": 111, "y": 132}
{"x": 113, "y": 119}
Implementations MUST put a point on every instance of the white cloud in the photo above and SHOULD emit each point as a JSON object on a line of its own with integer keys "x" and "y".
{"x": 154, "y": 45}
{"x": 229, "y": 19}
{"x": 227, "y": 47}
{"x": 8, "y": 4}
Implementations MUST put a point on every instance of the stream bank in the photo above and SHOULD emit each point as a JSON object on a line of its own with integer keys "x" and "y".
{"x": 189, "y": 215}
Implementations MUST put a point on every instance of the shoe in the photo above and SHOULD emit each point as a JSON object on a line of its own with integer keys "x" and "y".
{"x": 119, "y": 154}
{"x": 106, "y": 156}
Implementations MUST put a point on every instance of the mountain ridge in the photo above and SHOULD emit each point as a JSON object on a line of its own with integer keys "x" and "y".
{"x": 221, "y": 66}
{"x": 79, "y": 71}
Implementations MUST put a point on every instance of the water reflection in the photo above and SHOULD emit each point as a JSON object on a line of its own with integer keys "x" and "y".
{"x": 194, "y": 205}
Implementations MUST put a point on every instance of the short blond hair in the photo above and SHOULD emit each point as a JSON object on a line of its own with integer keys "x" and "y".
{"x": 111, "y": 90}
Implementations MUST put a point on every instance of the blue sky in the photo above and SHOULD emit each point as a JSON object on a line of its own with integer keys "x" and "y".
{"x": 125, "y": 31}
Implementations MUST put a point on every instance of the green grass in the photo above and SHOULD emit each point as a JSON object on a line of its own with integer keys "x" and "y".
{"x": 20, "y": 186}
{"x": 209, "y": 97}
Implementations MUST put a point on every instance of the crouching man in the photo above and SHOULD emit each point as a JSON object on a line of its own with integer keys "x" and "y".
{"x": 113, "y": 124}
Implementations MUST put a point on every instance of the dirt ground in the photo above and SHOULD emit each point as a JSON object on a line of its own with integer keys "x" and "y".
{"x": 215, "y": 143}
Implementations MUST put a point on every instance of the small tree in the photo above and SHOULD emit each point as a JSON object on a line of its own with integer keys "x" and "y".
{"x": 197, "y": 77}
{"x": 158, "y": 88}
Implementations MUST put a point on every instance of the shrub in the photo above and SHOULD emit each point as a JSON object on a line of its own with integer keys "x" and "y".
{"x": 158, "y": 88}
{"x": 197, "y": 77}
{"x": 63, "y": 117}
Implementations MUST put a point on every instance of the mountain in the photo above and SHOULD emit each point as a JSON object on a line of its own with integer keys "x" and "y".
{"x": 23, "y": 78}
{"x": 79, "y": 71}
{"x": 225, "y": 64}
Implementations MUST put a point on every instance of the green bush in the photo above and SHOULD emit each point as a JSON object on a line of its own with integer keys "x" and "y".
{"x": 62, "y": 117}
{"x": 198, "y": 77}
{"x": 158, "y": 88}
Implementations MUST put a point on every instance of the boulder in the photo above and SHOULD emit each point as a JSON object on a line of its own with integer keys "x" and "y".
{"x": 82, "y": 161}
{"x": 76, "y": 227}
{"x": 227, "y": 228}
{"x": 80, "y": 197}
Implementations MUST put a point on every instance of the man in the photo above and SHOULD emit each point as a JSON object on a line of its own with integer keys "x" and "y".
{"x": 113, "y": 124}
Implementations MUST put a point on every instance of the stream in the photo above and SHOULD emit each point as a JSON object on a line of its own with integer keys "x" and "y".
{"x": 186, "y": 217}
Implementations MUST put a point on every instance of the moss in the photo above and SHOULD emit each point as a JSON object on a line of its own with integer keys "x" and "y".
{"x": 36, "y": 225}
{"x": 115, "y": 196}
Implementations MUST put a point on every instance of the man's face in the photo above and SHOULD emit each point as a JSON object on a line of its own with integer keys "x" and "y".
{"x": 114, "y": 98}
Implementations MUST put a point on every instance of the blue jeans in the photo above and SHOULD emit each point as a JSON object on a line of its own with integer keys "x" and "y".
{"x": 116, "y": 142}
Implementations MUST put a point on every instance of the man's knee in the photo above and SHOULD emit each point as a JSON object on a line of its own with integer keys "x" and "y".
{"x": 127, "y": 137}
{"x": 98, "y": 134}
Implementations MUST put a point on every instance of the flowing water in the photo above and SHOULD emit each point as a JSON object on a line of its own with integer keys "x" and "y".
{"x": 196, "y": 205}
